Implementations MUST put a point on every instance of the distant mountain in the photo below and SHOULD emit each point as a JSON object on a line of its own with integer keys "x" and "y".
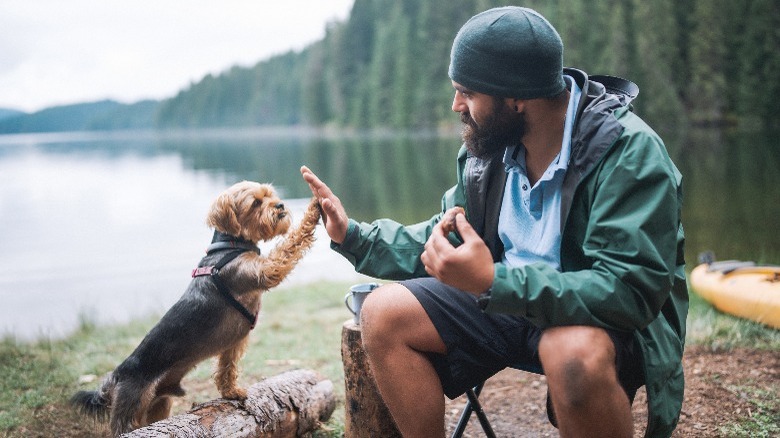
{"x": 102, "y": 115}
{"x": 140, "y": 115}
{"x": 7, "y": 113}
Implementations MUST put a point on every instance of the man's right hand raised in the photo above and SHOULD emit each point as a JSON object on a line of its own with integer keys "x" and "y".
{"x": 333, "y": 214}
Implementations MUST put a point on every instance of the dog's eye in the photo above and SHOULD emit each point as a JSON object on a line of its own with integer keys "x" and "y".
{"x": 257, "y": 203}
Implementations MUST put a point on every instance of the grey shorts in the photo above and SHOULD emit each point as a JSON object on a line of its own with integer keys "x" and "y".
{"x": 481, "y": 344}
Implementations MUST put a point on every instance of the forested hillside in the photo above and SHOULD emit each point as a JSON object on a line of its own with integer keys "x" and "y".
{"x": 103, "y": 115}
{"x": 6, "y": 113}
{"x": 697, "y": 62}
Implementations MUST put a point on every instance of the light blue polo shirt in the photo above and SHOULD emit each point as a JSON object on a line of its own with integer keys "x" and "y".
{"x": 529, "y": 225}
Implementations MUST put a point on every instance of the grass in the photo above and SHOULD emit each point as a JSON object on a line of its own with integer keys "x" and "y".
{"x": 28, "y": 375}
{"x": 300, "y": 327}
{"x": 721, "y": 332}
{"x": 763, "y": 419}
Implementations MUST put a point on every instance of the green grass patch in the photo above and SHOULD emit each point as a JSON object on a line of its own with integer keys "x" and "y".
{"x": 300, "y": 327}
{"x": 764, "y": 417}
{"x": 718, "y": 331}
{"x": 722, "y": 332}
{"x": 31, "y": 378}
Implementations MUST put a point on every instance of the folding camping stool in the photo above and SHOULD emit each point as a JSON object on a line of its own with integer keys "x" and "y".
{"x": 473, "y": 405}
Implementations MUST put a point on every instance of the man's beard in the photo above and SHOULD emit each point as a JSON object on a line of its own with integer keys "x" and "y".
{"x": 501, "y": 129}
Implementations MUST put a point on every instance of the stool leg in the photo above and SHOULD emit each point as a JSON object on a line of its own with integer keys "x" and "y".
{"x": 473, "y": 405}
{"x": 464, "y": 419}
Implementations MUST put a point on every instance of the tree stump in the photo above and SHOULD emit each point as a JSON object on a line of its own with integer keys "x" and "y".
{"x": 364, "y": 410}
{"x": 287, "y": 405}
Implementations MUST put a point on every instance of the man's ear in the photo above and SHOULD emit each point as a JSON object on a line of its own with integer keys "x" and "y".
{"x": 516, "y": 104}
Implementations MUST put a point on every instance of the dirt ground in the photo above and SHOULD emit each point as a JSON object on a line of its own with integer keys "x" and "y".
{"x": 719, "y": 389}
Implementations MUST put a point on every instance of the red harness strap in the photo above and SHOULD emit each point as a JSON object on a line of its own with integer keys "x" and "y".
{"x": 213, "y": 272}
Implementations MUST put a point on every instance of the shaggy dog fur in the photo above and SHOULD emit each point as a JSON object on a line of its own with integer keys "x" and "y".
{"x": 202, "y": 323}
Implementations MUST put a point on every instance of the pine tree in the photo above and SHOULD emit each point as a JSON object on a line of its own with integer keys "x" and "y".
{"x": 707, "y": 60}
{"x": 759, "y": 64}
{"x": 656, "y": 24}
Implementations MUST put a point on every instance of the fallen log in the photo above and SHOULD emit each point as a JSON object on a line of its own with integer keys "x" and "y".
{"x": 290, "y": 404}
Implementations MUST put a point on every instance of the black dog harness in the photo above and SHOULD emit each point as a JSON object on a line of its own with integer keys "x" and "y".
{"x": 232, "y": 247}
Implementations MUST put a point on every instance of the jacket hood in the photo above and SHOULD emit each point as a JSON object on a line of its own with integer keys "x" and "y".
{"x": 595, "y": 131}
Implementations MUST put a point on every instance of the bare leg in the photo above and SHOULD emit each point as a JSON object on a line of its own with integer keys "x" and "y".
{"x": 396, "y": 335}
{"x": 579, "y": 363}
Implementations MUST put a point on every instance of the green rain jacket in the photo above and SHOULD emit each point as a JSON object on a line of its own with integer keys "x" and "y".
{"x": 622, "y": 264}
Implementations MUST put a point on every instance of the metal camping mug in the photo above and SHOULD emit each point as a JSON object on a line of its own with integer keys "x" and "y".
{"x": 358, "y": 293}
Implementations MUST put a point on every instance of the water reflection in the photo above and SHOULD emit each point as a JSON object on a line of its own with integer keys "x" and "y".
{"x": 732, "y": 194}
{"x": 401, "y": 177}
{"x": 111, "y": 224}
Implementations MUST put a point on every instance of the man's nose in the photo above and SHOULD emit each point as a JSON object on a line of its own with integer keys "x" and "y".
{"x": 458, "y": 103}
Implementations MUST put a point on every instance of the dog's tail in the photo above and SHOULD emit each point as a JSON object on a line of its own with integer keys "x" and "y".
{"x": 95, "y": 404}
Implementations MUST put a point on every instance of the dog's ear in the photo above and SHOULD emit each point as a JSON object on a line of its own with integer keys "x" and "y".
{"x": 222, "y": 215}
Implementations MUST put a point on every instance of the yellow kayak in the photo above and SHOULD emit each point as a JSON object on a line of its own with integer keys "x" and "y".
{"x": 741, "y": 289}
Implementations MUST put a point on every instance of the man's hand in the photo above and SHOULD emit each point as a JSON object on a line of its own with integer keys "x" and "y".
{"x": 448, "y": 219}
{"x": 468, "y": 267}
{"x": 333, "y": 214}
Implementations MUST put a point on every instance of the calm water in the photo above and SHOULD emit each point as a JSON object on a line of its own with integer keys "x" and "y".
{"x": 109, "y": 226}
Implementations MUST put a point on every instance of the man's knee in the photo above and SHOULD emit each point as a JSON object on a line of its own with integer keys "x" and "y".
{"x": 382, "y": 313}
{"x": 578, "y": 360}
{"x": 378, "y": 308}
{"x": 392, "y": 315}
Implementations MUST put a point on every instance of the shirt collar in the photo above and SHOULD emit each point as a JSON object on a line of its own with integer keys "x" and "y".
{"x": 512, "y": 155}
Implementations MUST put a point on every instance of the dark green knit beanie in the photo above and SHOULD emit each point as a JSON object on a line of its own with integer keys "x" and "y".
{"x": 508, "y": 52}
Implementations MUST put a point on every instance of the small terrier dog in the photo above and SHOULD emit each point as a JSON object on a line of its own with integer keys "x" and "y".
{"x": 212, "y": 317}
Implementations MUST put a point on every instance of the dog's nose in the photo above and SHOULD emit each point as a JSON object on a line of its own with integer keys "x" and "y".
{"x": 279, "y": 206}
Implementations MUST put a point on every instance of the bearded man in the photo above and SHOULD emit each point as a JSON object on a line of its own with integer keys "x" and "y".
{"x": 567, "y": 262}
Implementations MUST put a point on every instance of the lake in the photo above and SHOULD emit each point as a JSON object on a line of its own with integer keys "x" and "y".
{"x": 106, "y": 227}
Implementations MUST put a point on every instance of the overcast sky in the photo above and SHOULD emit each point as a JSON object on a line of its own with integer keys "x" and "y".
{"x": 55, "y": 52}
